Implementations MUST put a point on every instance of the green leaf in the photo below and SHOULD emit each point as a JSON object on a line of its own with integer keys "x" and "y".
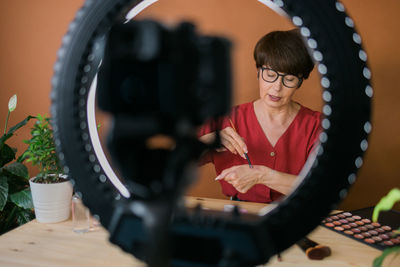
{"x": 3, "y": 191}
{"x": 24, "y": 216}
{"x": 7, "y": 154}
{"x": 16, "y": 182}
{"x": 386, "y": 203}
{"x": 4, "y": 215}
{"x": 20, "y": 124}
{"x": 9, "y": 221}
{"x": 13, "y": 129}
{"x": 21, "y": 158}
{"x": 17, "y": 169}
{"x": 22, "y": 199}
{"x": 379, "y": 260}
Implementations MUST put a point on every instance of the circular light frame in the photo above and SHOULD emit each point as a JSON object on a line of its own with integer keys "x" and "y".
{"x": 345, "y": 78}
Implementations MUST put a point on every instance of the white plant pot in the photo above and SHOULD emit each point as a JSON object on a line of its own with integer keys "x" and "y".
{"x": 52, "y": 202}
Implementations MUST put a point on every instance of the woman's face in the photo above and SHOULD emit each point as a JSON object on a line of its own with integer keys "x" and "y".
{"x": 275, "y": 94}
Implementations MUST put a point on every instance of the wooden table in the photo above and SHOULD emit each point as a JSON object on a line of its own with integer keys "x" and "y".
{"x": 38, "y": 244}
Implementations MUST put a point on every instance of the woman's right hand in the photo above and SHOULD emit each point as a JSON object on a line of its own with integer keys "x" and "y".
{"x": 230, "y": 139}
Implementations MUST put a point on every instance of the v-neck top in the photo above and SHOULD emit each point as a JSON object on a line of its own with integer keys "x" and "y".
{"x": 288, "y": 155}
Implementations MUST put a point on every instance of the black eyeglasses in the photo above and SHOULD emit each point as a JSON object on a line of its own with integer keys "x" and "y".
{"x": 288, "y": 80}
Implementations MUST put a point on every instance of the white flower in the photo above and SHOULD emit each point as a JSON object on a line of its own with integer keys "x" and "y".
{"x": 12, "y": 103}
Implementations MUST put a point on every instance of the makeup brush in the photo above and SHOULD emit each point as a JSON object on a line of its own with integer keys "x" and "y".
{"x": 313, "y": 250}
{"x": 245, "y": 154}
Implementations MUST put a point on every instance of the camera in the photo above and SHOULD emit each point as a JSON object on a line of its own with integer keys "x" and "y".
{"x": 157, "y": 82}
{"x": 160, "y": 81}
{"x": 169, "y": 72}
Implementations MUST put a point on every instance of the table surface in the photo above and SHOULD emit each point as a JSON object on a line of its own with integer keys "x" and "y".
{"x": 38, "y": 244}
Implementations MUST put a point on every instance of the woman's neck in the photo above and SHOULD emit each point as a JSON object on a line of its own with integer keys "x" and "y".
{"x": 279, "y": 116}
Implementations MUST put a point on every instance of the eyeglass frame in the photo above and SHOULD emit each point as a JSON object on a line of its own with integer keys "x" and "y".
{"x": 277, "y": 77}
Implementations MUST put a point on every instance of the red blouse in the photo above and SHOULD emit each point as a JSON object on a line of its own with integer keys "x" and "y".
{"x": 288, "y": 155}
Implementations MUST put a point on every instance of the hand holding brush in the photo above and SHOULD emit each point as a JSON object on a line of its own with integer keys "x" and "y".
{"x": 245, "y": 152}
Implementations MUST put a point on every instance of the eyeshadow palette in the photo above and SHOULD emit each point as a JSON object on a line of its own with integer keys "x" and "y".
{"x": 358, "y": 225}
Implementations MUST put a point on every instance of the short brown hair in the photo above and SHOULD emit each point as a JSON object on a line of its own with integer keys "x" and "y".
{"x": 284, "y": 51}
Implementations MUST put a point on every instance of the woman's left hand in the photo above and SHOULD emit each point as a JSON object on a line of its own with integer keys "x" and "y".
{"x": 242, "y": 177}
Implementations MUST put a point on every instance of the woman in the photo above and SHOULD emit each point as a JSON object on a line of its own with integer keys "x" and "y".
{"x": 277, "y": 133}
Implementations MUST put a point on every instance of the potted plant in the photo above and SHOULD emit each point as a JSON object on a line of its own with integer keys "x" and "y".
{"x": 15, "y": 197}
{"x": 51, "y": 190}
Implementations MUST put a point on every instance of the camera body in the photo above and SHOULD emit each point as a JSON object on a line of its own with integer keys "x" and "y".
{"x": 159, "y": 81}
{"x": 149, "y": 69}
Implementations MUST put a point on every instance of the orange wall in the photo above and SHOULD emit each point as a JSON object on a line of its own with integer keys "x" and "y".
{"x": 31, "y": 32}
{"x": 30, "y": 35}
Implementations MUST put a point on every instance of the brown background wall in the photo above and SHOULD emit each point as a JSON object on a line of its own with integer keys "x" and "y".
{"x": 31, "y": 32}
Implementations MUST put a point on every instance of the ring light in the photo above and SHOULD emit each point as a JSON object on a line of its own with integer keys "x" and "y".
{"x": 345, "y": 79}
